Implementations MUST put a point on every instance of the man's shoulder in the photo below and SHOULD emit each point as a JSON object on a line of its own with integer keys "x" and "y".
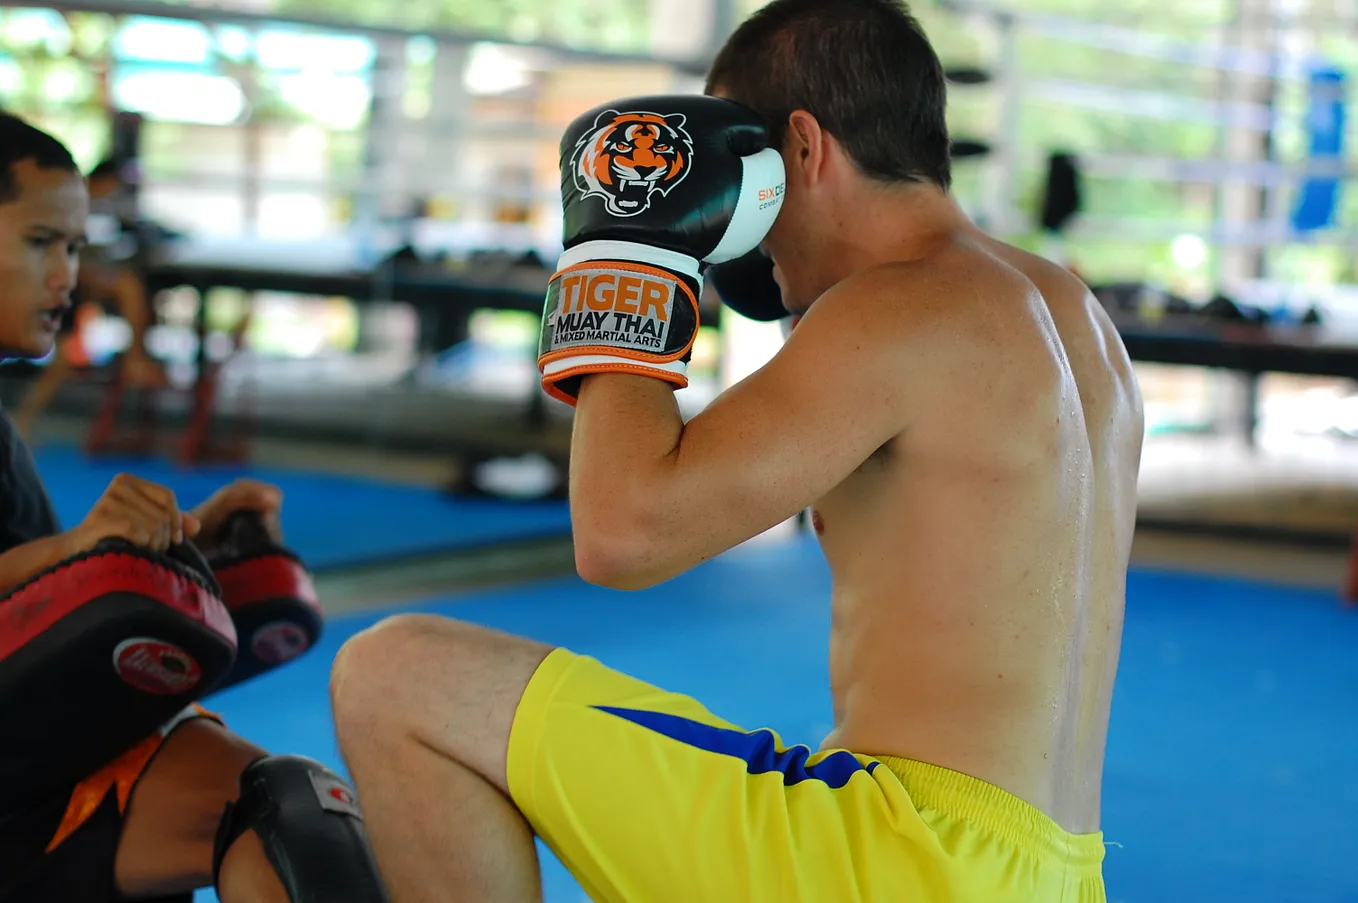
{"x": 1054, "y": 282}
{"x": 966, "y": 311}
{"x": 956, "y": 285}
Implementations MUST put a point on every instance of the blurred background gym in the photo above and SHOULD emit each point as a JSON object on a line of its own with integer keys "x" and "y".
{"x": 323, "y": 229}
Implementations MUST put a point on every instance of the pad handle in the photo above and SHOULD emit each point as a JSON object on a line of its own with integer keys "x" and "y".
{"x": 244, "y": 529}
{"x": 185, "y": 554}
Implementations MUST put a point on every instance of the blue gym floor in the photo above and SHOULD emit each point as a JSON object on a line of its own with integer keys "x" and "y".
{"x": 1232, "y": 762}
{"x": 1232, "y": 768}
{"x": 330, "y": 521}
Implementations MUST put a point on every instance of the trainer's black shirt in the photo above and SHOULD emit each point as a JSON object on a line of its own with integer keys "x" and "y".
{"x": 26, "y": 511}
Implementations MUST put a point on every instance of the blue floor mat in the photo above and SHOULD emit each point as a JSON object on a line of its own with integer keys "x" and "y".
{"x": 1231, "y": 758}
{"x": 329, "y": 520}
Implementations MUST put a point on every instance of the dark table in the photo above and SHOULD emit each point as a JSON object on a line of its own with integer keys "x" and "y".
{"x": 444, "y": 293}
{"x": 447, "y": 294}
{"x": 1245, "y": 347}
{"x": 1249, "y": 348}
{"x": 341, "y": 268}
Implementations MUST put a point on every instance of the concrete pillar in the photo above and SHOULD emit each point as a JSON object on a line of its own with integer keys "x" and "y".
{"x": 441, "y": 173}
{"x": 382, "y": 188}
{"x": 1240, "y": 203}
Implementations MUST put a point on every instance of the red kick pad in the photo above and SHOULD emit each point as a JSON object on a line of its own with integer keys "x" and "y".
{"x": 273, "y": 602}
{"x": 99, "y": 651}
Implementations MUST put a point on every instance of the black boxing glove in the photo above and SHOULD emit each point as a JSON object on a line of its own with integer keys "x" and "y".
{"x": 746, "y": 285}
{"x": 652, "y": 188}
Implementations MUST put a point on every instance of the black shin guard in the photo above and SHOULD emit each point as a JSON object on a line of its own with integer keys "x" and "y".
{"x": 308, "y": 821}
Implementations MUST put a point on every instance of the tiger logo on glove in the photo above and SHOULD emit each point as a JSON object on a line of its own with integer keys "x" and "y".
{"x": 628, "y": 158}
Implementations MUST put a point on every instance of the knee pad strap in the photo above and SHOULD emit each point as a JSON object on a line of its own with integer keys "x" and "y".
{"x": 308, "y": 821}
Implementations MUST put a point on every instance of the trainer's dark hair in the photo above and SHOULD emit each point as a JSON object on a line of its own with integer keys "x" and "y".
{"x": 107, "y": 169}
{"x": 21, "y": 141}
{"x": 863, "y": 68}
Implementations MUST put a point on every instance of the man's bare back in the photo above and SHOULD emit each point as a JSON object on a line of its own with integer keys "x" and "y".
{"x": 979, "y": 557}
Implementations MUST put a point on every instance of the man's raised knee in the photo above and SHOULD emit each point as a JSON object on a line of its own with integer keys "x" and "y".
{"x": 421, "y": 673}
{"x": 370, "y": 669}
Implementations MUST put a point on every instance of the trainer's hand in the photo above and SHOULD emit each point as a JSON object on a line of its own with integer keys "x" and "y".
{"x": 138, "y": 511}
{"x": 242, "y": 495}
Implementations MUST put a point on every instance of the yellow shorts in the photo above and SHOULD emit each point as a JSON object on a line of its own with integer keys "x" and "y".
{"x": 647, "y": 797}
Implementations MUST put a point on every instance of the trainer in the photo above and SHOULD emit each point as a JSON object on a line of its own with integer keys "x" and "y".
{"x": 114, "y": 783}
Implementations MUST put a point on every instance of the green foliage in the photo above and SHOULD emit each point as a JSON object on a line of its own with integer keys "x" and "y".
{"x": 605, "y": 25}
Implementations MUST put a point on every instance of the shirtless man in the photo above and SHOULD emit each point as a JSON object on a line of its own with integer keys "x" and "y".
{"x": 966, "y": 424}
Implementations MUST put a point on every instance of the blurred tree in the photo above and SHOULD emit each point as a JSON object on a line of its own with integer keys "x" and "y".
{"x": 605, "y": 25}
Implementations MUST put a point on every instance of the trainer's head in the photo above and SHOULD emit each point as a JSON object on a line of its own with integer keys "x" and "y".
{"x": 854, "y": 96}
{"x": 105, "y": 179}
{"x": 43, "y": 205}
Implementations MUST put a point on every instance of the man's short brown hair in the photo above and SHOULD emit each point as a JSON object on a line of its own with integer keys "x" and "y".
{"x": 863, "y": 68}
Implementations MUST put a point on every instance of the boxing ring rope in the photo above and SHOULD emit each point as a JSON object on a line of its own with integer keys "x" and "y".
{"x": 1239, "y": 167}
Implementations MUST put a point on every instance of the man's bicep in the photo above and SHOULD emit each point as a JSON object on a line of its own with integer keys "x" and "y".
{"x": 794, "y": 429}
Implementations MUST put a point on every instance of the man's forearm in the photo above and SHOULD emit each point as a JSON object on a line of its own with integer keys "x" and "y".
{"x": 627, "y": 429}
{"x": 22, "y": 562}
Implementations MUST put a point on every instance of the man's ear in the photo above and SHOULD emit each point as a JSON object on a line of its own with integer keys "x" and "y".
{"x": 805, "y": 146}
